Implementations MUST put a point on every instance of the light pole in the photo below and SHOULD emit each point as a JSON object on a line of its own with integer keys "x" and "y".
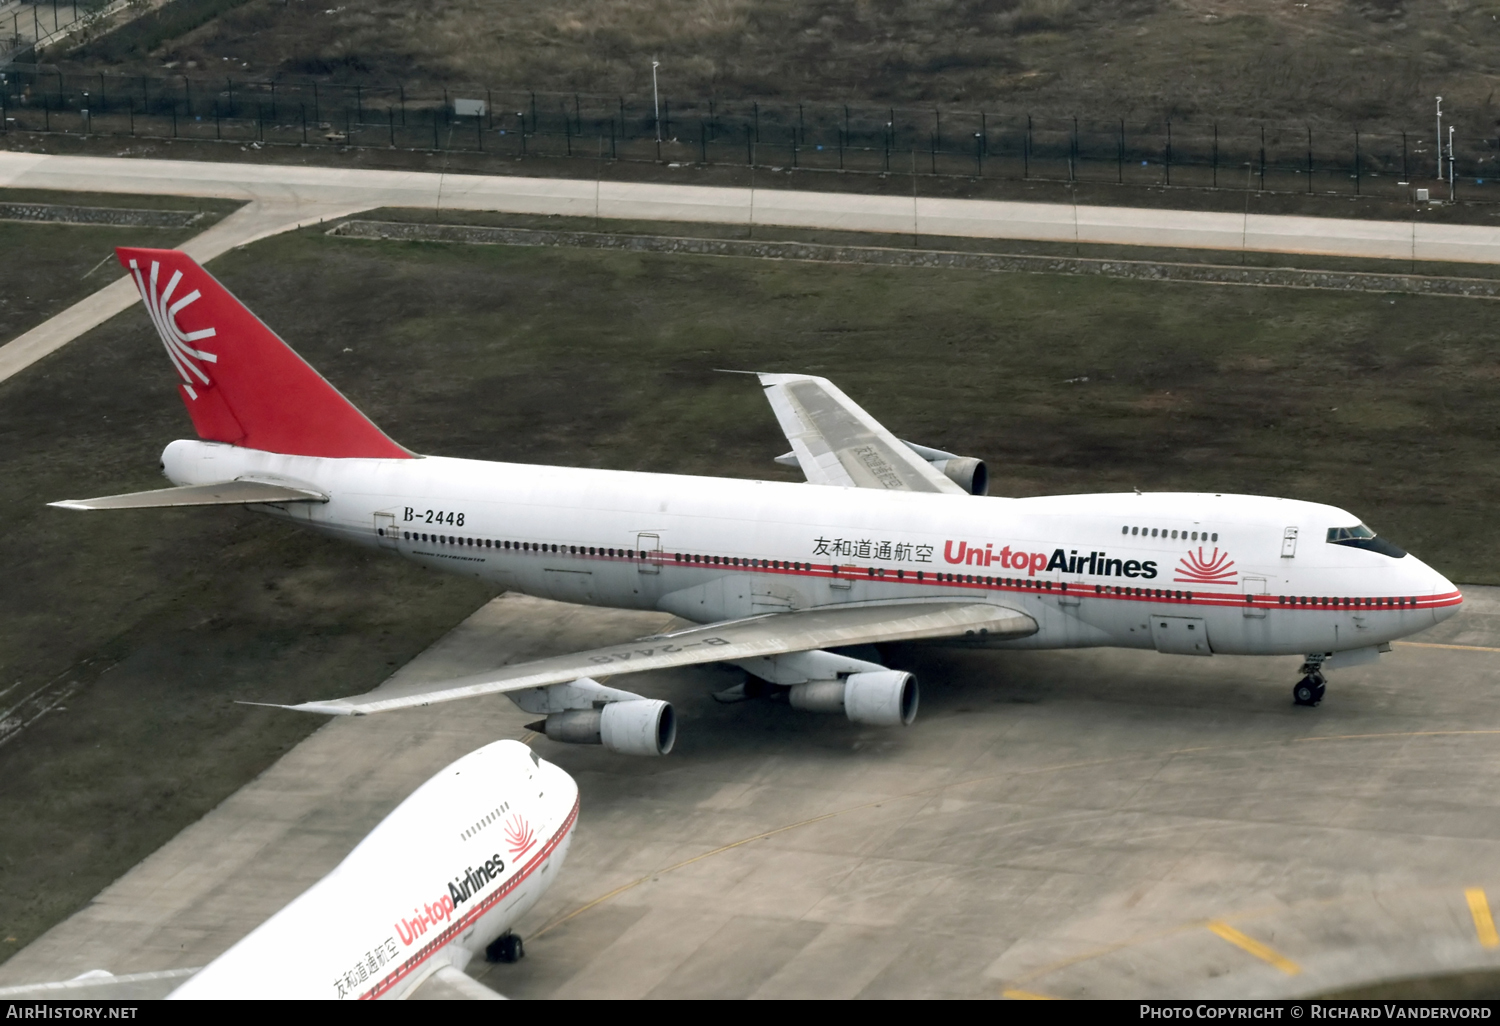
{"x": 656, "y": 100}
{"x": 1450, "y": 164}
{"x": 1440, "y": 137}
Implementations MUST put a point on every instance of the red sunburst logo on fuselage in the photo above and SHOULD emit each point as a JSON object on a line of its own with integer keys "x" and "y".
{"x": 519, "y": 836}
{"x": 1195, "y": 568}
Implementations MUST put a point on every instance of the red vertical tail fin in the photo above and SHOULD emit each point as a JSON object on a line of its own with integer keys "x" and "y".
{"x": 240, "y": 382}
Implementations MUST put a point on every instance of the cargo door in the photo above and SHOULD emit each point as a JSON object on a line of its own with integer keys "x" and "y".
{"x": 1180, "y": 635}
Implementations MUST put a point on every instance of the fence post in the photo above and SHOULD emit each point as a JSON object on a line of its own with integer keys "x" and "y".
{"x": 132, "y": 116}
{"x": 260, "y": 122}
{"x": 702, "y": 143}
{"x": 934, "y": 152}
{"x": 1120, "y": 162}
{"x": 304, "y": 122}
{"x": 218, "y": 128}
{"x": 612, "y": 153}
{"x": 568, "y": 131}
{"x": 435, "y": 132}
{"x": 390, "y": 118}
{"x": 840, "y": 133}
{"x": 479, "y": 135}
{"x": 666, "y": 107}
{"x": 794, "y": 147}
{"x": 489, "y": 107}
{"x": 937, "y": 128}
{"x": 713, "y": 123}
{"x": 1309, "y": 161}
{"x": 1216, "y": 154}
{"x": 756, "y": 110}
{"x": 187, "y": 96}
{"x": 1263, "y": 157}
{"x": 622, "y": 118}
{"x": 273, "y": 101}
{"x": 1167, "y": 164}
{"x": 1026, "y": 151}
{"x": 533, "y": 109}
{"x": 317, "y": 111}
{"x": 401, "y": 90}
{"x": 978, "y": 154}
{"x": 174, "y": 119}
{"x": 1405, "y": 178}
{"x": 229, "y": 82}
{"x": 801, "y": 128}
{"x": 46, "y": 114}
{"x": 749, "y": 147}
{"x": 1356, "y": 162}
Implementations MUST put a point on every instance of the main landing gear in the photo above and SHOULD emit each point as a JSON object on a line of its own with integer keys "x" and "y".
{"x": 1309, "y": 690}
{"x": 505, "y": 948}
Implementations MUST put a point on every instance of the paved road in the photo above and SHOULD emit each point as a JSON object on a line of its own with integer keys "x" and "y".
{"x": 1100, "y": 824}
{"x": 855, "y": 212}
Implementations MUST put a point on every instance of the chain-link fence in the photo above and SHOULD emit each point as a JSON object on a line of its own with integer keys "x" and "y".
{"x": 854, "y": 138}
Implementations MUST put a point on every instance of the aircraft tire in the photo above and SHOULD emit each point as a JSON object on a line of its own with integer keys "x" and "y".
{"x": 1306, "y": 692}
{"x": 506, "y": 948}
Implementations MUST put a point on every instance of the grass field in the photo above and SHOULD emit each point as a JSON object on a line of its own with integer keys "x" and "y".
{"x": 1324, "y": 61}
{"x": 1385, "y": 407}
{"x": 64, "y": 263}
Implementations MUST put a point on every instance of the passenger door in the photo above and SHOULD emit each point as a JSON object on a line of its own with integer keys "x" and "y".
{"x": 648, "y": 553}
{"x": 1255, "y": 590}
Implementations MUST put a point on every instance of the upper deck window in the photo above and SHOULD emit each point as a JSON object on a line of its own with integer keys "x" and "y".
{"x": 1361, "y": 537}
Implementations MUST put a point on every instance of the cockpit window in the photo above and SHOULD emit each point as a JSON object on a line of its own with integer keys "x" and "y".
{"x": 1361, "y": 537}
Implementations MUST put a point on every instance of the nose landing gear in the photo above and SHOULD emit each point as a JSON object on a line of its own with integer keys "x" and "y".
{"x": 1309, "y": 690}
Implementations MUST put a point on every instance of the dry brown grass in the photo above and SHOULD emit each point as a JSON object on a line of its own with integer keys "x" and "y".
{"x": 1376, "y": 62}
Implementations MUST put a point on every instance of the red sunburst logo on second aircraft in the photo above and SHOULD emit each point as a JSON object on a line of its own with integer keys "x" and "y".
{"x": 519, "y": 837}
{"x": 1196, "y": 568}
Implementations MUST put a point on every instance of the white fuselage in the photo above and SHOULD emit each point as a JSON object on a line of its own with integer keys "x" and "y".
{"x": 1097, "y": 569}
{"x": 447, "y": 872}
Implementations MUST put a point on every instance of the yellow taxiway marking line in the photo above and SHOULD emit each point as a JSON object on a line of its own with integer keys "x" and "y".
{"x": 1026, "y": 995}
{"x": 1433, "y": 644}
{"x": 1255, "y": 947}
{"x": 1484, "y": 923}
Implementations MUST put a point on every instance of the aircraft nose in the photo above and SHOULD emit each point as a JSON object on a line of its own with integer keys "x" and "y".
{"x": 1446, "y": 598}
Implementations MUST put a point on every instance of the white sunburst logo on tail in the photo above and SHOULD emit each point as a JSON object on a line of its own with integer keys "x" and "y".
{"x": 163, "y": 312}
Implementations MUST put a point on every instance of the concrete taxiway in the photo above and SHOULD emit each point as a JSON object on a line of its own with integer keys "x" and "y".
{"x": 1089, "y": 824}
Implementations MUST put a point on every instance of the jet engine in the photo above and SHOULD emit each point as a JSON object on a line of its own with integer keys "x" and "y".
{"x": 967, "y": 472}
{"x": 879, "y": 698}
{"x": 643, "y": 726}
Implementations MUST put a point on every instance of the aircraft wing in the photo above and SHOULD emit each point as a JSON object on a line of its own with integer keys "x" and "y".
{"x": 766, "y": 635}
{"x": 838, "y": 443}
{"x": 225, "y": 493}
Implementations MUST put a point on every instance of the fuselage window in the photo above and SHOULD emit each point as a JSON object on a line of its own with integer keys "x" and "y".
{"x": 1153, "y": 532}
{"x": 1135, "y": 530}
{"x": 1214, "y": 538}
{"x": 1124, "y": 530}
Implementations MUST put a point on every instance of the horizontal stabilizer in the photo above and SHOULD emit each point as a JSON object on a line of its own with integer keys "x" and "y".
{"x": 729, "y": 641}
{"x": 226, "y": 493}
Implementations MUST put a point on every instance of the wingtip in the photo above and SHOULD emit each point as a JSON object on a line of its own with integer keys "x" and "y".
{"x": 326, "y": 708}
{"x": 70, "y": 504}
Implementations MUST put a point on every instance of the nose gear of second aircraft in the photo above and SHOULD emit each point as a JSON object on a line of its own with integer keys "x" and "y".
{"x": 1309, "y": 690}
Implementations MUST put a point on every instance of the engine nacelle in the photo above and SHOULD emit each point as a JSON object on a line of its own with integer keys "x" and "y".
{"x": 642, "y": 726}
{"x": 968, "y": 473}
{"x": 879, "y": 698}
